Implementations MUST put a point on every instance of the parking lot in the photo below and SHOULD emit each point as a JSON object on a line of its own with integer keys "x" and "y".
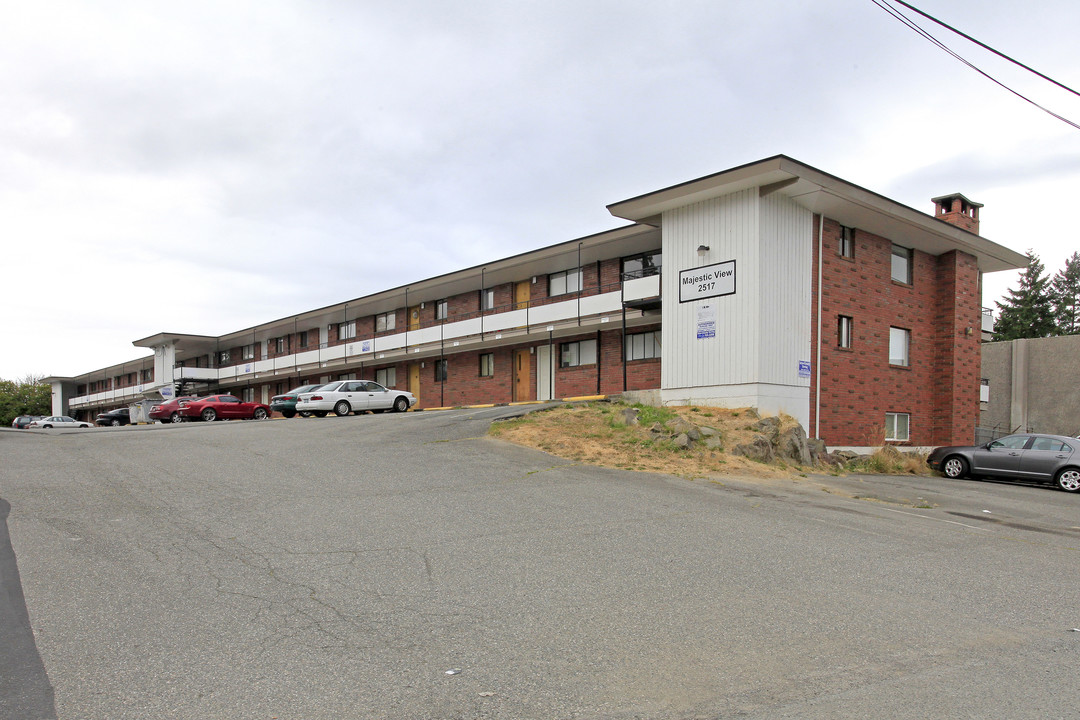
{"x": 405, "y": 565}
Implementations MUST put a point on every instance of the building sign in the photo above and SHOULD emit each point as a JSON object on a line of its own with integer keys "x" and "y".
{"x": 366, "y": 346}
{"x": 804, "y": 368}
{"x": 707, "y": 282}
{"x": 706, "y": 321}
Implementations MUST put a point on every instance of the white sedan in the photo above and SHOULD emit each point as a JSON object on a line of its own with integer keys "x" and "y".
{"x": 58, "y": 421}
{"x": 350, "y": 396}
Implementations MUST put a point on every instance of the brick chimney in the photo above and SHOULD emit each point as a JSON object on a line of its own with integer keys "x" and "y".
{"x": 958, "y": 210}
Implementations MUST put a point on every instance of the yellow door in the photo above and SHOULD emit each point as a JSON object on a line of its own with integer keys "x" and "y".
{"x": 414, "y": 381}
{"x": 522, "y": 292}
{"x": 414, "y": 319}
{"x": 521, "y": 376}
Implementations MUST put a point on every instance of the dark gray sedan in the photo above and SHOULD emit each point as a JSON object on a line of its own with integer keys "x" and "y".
{"x": 1035, "y": 458}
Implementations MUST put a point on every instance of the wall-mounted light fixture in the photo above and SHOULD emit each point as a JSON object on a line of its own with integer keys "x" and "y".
{"x": 702, "y": 249}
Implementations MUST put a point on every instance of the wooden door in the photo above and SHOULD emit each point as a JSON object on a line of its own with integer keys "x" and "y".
{"x": 414, "y": 381}
{"x": 522, "y": 293}
{"x": 522, "y": 365}
{"x": 414, "y": 319}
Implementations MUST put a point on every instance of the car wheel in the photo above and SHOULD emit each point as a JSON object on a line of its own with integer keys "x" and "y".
{"x": 176, "y": 417}
{"x": 342, "y": 408}
{"x": 401, "y": 404}
{"x": 84, "y": 425}
{"x": 319, "y": 413}
{"x": 209, "y": 415}
{"x": 289, "y": 413}
{"x": 116, "y": 423}
{"x": 1069, "y": 480}
{"x": 306, "y": 414}
{"x": 47, "y": 427}
{"x": 954, "y": 467}
{"x": 259, "y": 414}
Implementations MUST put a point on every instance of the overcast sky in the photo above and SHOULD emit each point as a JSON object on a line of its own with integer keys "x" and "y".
{"x": 203, "y": 167}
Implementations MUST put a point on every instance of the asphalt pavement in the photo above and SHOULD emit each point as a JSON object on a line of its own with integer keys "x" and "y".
{"x": 408, "y": 566}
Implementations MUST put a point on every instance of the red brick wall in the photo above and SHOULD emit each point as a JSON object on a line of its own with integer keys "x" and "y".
{"x": 939, "y": 389}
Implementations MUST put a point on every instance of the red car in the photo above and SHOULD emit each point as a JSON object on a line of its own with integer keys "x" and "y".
{"x": 225, "y": 407}
{"x": 169, "y": 412}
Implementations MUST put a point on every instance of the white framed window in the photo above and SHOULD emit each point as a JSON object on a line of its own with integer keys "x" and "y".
{"x": 564, "y": 282}
{"x": 897, "y": 426}
{"x": 574, "y": 354}
{"x": 248, "y": 352}
{"x": 642, "y": 265}
{"x": 641, "y": 346}
{"x": 901, "y": 264}
{"x": 487, "y": 299}
{"x": 899, "y": 346}
{"x": 279, "y": 345}
{"x": 387, "y": 377}
{"x": 346, "y": 331}
{"x": 844, "y": 327}
{"x": 442, "y": 309}
{"x": 847, "y": 242}
{"x": 248, "y": 395}
{"x": 347, "y": 376}
{"x": 385, "y": 322}
{"x": 487, "y": 364}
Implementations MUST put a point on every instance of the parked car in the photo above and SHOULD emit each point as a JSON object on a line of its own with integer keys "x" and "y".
{"x": 169, "y": 412}
{"x": 58, "y": 421}
{"x": 21, "y": 422}
{"x": 348, "y": 396}
{"x": 224, "y": 407}
{"x": 286, "y": 404}
{"x": 119, "y": 416}
{"x": 1031, "y": 457}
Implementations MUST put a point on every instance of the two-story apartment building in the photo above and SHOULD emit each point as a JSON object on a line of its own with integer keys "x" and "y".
{"x": 773, "y": 285}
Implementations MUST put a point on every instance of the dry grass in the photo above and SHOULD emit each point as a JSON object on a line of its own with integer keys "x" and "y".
{"x": 594, "y": 433}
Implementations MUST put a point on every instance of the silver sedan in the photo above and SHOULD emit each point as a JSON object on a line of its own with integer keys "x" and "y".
{"x": 1035, "y": 458}
{"x": 58, "y": 421}
{"x": 352, "y": 396}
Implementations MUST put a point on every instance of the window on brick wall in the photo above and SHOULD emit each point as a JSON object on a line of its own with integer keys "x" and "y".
{"x": 897, "y": 426}
{"x": 223, "y": 357}
{"x": 641, "y": 346}
{"x": 564, "y": 282}
{"x": 346, "y": 331}
{"x": 441, "y": 370}
{"x": 487, "y": 299}
{"x": 385, "y": 322}
{"x": 846, "y": 247}
{"x": 574, "y": 354}
{"x": 442, "y": 309}
{"x": 387, "y": 377}
{"x": 303, "y": 338}
{"x": 487, "y": 364}
{"x": 248, "y": 394}
{"x": 248, "y": 352}
{"x": 901, "y": 264}
{"x": 899, "y": 346}
{"x": 147, "y": 376}
{"x": 845, "y": 327}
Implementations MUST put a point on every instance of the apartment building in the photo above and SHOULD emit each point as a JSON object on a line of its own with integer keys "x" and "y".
{"x": 773, "y": 285}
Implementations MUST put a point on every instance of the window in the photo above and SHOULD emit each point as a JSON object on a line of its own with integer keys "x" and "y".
{"x": 440, "y": 370}
{"x": 303, "y": 338}
{"x": 901, "y": 264}
{"x": 899, "y": 342}
{"x": 1013, "y": 442}
{"x": 642, "y": 265}
{"x": 1050, "y": 445}
{"x": 223, "y": 357}
{"x": 248, "y": 352}
{"x": 147, "y": 376}
{"x": 249, "y": 394}
{"x": 844, "y": 327}
{"x": 641, "y": 346}
{"x": 280, "y": 389}
{"x": 847, "y": 242}
{"x": 346, "y": 331}
{"x": 561, "y": 283}
{"x": 487, "y": 364}
{"x": 347, "y": 376}
{"x": 897, "y": 426}
{"x": 574, "y": 354}
{"x": 385, "y": 322}
{"x": 387, "y": 377}
{"x": 441, "y": 310}
{"x": 487, "y": 299}
{"x": 279, "y": 345}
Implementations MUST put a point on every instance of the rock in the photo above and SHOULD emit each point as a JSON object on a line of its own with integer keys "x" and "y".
{"x": 630, "y": 416}
{"x": 714, "y": 442}
{"x": 792, "y": 447}
{"x": 683, "y": 441}
{"x": 769, "y": 427}
{"x": 818, "y": 451}
{"x": 759, "y": 449}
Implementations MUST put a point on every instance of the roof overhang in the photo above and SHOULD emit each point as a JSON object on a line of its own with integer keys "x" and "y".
{"x": 832, "y": 197}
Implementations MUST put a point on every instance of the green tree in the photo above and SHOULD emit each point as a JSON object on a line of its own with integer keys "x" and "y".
{"x": 28, "y": 396}
{"x": 1027, "y": 312}
{"x": 1065, "y": 292}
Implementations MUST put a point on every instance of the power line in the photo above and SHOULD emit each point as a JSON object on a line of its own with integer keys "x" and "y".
{"x": 915, "y": 27}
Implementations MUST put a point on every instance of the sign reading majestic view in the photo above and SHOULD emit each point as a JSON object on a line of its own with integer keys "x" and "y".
{"x": 706, "y": 282}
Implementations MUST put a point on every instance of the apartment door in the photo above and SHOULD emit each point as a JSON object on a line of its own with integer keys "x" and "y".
{"x": 543, "y": 373}
{"x": 414, "y": 381}
{"x": 522, "y": 291}
{"x": 522, "y": 365}
{"x": 414, "y": 319}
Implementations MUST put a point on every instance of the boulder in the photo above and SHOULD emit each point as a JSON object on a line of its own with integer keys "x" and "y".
{"x": 759, "y": 449}
{"x": 792, "y": 447}
{"x": 630, "y": 415}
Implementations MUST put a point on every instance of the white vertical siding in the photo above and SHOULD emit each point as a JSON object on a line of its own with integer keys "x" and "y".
{"x": 729, "y": 227}
{"x": 786, "y": 274}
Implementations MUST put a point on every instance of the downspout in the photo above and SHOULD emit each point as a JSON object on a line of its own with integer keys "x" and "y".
{"x": 817, "y": 362}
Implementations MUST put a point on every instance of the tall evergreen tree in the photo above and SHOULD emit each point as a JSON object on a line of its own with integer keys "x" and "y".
{"x": 1027, "y": 312}
{"x": 1065, "y": 292}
